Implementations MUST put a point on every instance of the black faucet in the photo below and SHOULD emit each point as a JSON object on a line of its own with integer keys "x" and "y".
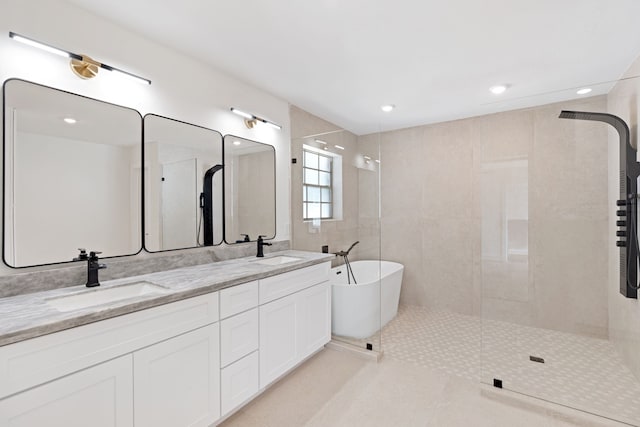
{"x": 92, "y": 269}
{"x": 82, "y": 256}
{"x": 246, "y": 239}
{"x": 261, "y": 245}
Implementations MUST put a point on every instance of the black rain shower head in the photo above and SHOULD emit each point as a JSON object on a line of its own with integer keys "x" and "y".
{"x": 615, "y": 121}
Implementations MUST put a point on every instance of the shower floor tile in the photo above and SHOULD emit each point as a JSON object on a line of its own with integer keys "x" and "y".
{"x": 579, "y": 372}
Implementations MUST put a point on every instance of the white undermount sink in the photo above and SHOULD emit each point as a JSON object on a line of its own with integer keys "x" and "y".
{"x": 99, "y": 296}
{"x": 277, "y": 260}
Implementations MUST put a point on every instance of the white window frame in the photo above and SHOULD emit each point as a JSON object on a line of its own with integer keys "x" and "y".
{"x": 335, "y": 186}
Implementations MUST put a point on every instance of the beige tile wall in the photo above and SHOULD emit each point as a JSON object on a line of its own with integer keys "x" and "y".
{"x": 432, "y": 195}
{"x": 337, "y": 234}
{"x": 624, "y": 314}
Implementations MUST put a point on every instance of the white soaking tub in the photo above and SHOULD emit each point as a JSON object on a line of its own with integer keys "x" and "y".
{"x": 357, "y": 311}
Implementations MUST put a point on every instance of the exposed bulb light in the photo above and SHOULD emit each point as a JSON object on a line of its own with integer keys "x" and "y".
{"x": 584, "y": 91}
{"x": 377, "y": 161}
{"x": 498, "y": 89}
{"x": 70, "y": 120}
{"x": 236, "y": 143}
{"x": 250, "y": 120}
{"x": 82, "y": 65}
{"x": 319, "y": 141}
{"x": 388, "y": 108}
{"x": 339, "y": 147}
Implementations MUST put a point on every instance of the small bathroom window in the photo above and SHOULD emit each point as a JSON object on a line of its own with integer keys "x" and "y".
{"x": 320, "y": 175}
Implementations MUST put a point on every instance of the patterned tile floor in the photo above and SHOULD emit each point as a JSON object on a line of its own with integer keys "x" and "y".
{"x": 579, "y": 372}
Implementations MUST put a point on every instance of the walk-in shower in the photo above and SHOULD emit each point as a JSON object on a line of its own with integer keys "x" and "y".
{"x": 507, "y": 232}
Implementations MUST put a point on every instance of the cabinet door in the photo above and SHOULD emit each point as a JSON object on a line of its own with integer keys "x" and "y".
{"x": 238, "y": 337}
{"x": 315, "y": 318}
{"x": 100, "y": 396}
{"x": 239, "y": 381}
{"x": 279, "y": 334}
{"x": 177, "y": 382}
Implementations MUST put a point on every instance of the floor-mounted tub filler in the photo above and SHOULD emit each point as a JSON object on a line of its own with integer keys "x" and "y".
{"x": 360, "y": 310}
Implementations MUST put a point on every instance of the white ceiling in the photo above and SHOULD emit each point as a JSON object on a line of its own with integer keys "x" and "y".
{"x": 435, "y": 60}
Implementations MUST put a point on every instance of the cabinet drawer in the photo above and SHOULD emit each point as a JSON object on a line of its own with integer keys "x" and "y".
{"x": 237, "y": 299}
{"x": 285, "y": 284}
{"x": 29, "y": 363}
{"x": 238, "y": 382}
{"x": 238, "y": 336}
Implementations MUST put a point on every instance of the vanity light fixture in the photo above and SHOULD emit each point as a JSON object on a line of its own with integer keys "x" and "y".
{"x": 82, "y": 65}
{"x": 584, "y": 91}
{"x": 498, "y": 89}
{"x": 388, "y": 108}
{"x": 250, "y": 120}
{"x": 339, "y": 147}
{"x": 70, "y": 120}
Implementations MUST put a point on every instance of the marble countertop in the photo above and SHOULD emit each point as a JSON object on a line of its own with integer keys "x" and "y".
{"x": 29, "y": 316}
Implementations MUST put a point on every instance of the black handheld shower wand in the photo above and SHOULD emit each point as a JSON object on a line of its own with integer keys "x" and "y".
{"x": 345, "y": 255}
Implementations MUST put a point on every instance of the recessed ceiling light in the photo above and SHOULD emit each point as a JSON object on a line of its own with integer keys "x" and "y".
{"x": 387, "y": 108}
{"x": 319, "y": 141}
{"x": 498, "y": 89}
{"x": 584, "y": 91}
{"x": 237, "y": 142}
{"x": 70, "y": 120}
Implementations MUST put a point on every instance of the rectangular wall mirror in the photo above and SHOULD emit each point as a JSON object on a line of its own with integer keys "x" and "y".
{"x": 72, "y": 176}
{"x": 183, "y": 185}
{"x": 250, "y": 190}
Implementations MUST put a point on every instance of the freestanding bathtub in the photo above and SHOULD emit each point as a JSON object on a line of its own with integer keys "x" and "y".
{"x": 359, "y": 311}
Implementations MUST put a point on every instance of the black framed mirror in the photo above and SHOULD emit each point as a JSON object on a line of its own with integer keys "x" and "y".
{"x": 72, "y": 176}
{"x": 250, "y": 190}
{"x": 183, "y": 185}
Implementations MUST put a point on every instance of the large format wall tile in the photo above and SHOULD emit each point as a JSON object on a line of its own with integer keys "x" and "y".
{"x": 528, "y": 169}
{"x": 624, "y": 313}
